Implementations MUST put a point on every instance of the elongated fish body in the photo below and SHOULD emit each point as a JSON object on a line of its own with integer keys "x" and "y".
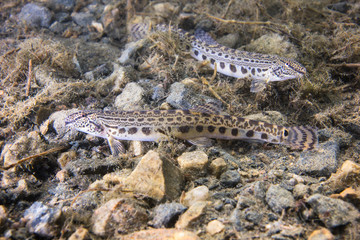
{"x": 261, "y": 68}
{"x": 194, "y": 126}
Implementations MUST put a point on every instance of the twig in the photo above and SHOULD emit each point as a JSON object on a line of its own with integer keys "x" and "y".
{"x": 28, "y": 84}
{"x": 345, "y": 65}
{"x": 343, "y": 48}
{"x": 34, "y": 156}
{"x": 227, "y": 8}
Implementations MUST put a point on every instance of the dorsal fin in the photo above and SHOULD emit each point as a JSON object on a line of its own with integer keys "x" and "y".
{"x": 210, "y": 107}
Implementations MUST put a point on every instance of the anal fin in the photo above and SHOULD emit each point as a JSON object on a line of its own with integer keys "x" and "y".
{"x": 201, "y": 141}
{"x": 116, "y": 146}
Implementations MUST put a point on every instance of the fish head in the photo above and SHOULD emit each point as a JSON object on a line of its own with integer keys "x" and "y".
{"x": 288, "y": 69}
{"x": 85, "y": 121}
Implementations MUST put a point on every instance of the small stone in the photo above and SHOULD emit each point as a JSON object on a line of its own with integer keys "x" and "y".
{"x": 137, "y": 148}
{"x": 62, "y": 5}
{"x": 279, "y": 198}
{"x": 161, "y": 234}
{"x": 35, "y": 15}
{"x": 321, "y": 234}
{"x": 230, "y": 40}
{"x": 118, "y": 215}
{"x": 319, "y": 163}
{"x": 301, "y": 190}
{"x": 200, "y": 193}
{"x": 218, "y": 166}
{"x": 41, "y": 220}
{"x": 179, "y": 96}
{"x": 58, "y": 27}
{"x": 131, "y": 97}
{"x": 260, "y": 190}
{"x": 158, "y": 93}
{"x": 333, "y": 212}
{"x": 193, "y": 162}
{"x": 3, "y": 216}
{"x": 165, "y": 215}
{"x": 195, "y": 211}
{"x": 214, "y": 227}
{"x": 62, "y": 175}
{"x": 80, "y": 234}
{"x": 230, "y": 178}
{"x": 83, "y": 19}
{"x": 22, "y": 147}
{"x": 66, "y": 157}
{"x": 345, "y": 176}
{"x": 253, "y": 215}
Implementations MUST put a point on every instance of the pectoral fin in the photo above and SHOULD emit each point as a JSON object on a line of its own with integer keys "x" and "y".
{"x": 258, "y": 85}
{"x": 116, "y": 146}
{"x": 201, "y": 141}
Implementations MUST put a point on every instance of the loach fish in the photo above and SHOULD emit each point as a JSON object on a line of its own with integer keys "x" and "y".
{"x": 261, "y": 68}
{"x": 198, "y": 126}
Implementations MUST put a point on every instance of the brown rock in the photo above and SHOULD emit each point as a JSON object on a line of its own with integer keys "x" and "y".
{"x": 153, "y": 178}
{"x": 191, "y": 214}
{"x": 118, "y": 215}
{"x": 80, "y": 234}
{"x": 161, "y": 234}
{"x": 214, "y": 227}
{"x": 321, "y": 234}
{"x": 218, "y": 166}
{"x": 193, "y": 162}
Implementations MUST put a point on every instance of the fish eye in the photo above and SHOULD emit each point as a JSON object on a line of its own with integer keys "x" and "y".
{"x": 286, "y": 133}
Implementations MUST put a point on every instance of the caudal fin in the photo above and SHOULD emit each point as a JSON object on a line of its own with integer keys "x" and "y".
{"x": 302, "y": 137}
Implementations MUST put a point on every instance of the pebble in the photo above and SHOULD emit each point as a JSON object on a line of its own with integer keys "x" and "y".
{"x": 194, "y": 212}
{"x": 3, "y": 216}
{"x": 230, "y": 40}
{"x": 253, "y": 215}
{"x": 348, "y": 173}
{"x": 131, "y": 98}
{"x": 23, "y": 146}
{"x": 193, "y": 162}
{"x": 41, "y": 220}
{"x": 80, "y": 234}
{"x": 166, "y": 214}
{"x": 333, "y": 212}
{"x": 319, "y": 163}
{"x": 179, "y": 96}
{"x": 161, "y": 234}
{"x": 83, "y": 19}
{"x": 301, "y": 190}
{"x": 35, "y": 15}
{"x": 200, "y": 193}
{"x": 260, "y": 190}
{"x": 218, "y": 166}
{"x": 61, "y": 5}
{"x": 279, "y": 198}
{"x": 118, "y": 216}
{"x": 230, "y": 178}
{"x": 321, "y": 234}
{"x": 214, "y": 227}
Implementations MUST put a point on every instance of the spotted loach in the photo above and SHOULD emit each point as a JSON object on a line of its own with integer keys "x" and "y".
{"x": 261, "y": 68}
{"x": 198, "y": 126}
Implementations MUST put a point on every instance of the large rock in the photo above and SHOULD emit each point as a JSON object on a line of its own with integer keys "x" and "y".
{"x": 333, "y": 212}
